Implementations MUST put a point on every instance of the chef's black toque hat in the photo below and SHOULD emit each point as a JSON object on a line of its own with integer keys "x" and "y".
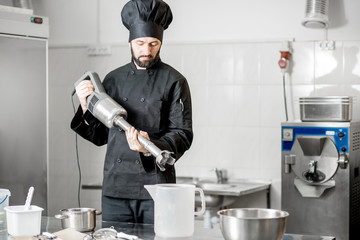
{"x": 146, "y": 18}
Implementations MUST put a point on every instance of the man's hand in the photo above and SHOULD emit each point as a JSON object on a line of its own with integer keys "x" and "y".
{"x": 132, "y": 138}
{"x": 83, "y": 90}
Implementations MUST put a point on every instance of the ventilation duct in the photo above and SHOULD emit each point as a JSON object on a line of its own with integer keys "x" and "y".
{"x": 316, "y": 14}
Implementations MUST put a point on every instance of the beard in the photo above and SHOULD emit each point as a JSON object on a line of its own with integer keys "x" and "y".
{"x": 148, "y": 63}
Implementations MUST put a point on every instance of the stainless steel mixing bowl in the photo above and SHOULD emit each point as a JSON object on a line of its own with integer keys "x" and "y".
{"x": 252, "y": 223}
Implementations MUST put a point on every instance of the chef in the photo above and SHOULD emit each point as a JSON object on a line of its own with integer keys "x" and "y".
{"x": 158, "y": 102}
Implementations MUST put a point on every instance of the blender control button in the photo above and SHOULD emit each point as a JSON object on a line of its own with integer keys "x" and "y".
{"x": 341, "y": 134}
{"x": 343, "y": 149}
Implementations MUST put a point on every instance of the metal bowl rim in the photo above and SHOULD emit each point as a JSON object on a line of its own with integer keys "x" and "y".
{"x": 283, "y": 214}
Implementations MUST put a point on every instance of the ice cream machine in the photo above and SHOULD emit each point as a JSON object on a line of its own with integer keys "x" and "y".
{"x": 320, "y": 178}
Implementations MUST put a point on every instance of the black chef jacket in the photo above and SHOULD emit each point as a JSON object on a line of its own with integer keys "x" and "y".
{"x": 157, "y": 101}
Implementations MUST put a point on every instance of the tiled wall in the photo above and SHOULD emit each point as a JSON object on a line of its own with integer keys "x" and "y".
{"x": 238, "y": 106}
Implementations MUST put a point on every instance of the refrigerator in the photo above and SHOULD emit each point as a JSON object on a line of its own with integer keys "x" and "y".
{"x": 24, "y": 103}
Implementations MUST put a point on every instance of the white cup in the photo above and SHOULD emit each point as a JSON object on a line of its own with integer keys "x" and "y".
{"x": 23, "y": 222}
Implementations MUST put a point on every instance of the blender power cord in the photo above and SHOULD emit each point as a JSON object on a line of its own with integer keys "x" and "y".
{"x": 77, "y": 153}
{"x": 285, "y": 104}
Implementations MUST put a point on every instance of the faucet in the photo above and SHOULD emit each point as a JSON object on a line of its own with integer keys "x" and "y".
{"x": 220, "y": 175}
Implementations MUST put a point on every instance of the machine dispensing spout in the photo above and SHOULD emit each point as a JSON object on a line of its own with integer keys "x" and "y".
{"x": 312, "y": 166}
{"x": 112, "y": 114}
{"x": 313, "y": 174}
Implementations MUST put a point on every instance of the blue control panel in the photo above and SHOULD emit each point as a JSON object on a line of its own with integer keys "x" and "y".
{"x": 340, "y": 136}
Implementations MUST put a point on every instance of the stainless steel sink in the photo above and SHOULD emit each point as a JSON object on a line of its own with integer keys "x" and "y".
{"x": 218, "y": 195}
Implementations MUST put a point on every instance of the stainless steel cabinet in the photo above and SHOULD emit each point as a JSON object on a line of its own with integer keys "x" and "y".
{"x": 23, "y": 118}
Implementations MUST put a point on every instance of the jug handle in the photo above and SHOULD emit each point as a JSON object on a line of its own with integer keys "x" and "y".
{"x": 203, "y": 205}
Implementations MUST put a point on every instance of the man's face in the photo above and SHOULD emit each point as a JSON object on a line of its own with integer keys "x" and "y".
{"x": 145, "y": 51}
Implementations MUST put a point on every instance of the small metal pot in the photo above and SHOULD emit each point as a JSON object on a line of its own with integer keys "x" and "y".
{"x": 80, "y": 219}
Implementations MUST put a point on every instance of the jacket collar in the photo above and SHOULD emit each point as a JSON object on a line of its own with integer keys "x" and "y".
{"x": 156, "y": 65}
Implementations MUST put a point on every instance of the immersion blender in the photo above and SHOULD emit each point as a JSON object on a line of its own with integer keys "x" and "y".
{"x": 112, "y": 114}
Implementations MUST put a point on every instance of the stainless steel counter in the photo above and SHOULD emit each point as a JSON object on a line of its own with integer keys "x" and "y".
{"x": 146, "y": 231}
{"x": 231, "y": 189}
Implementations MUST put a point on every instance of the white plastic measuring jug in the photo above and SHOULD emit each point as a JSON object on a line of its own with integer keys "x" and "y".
{"x": 4, "y": 202}
{"x": 175, "y": 208}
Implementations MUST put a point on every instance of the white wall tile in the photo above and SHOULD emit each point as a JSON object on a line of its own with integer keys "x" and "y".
{"x": 171, "y": 55}
{"x": 272, "y": 110}
{"x": 201, "y": 110}
{"x": 221, "y": 61}
{"x": 198, "y": 154}
{"x": 329, "y": 65}
{"x": 246, "y": 105}
{"x": 270, "y": 73}
{"x": 221, "y": 105}
{"x": 195, "y": 62}
{"x": 219, "y": 144}
{"x": 247, "y": 64}
{"x": 352, "y": 62}
{"x": 354, "y": 91}
{"x": 322, "y": 90}
{"x": 302, "y": 63}
{"x": 270, "y": 148}
{"x": 244, "y": 173}
{"x": 66, "y": 65}
{"x": 245, "y": 147}
{"x": 120, "y": 55}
